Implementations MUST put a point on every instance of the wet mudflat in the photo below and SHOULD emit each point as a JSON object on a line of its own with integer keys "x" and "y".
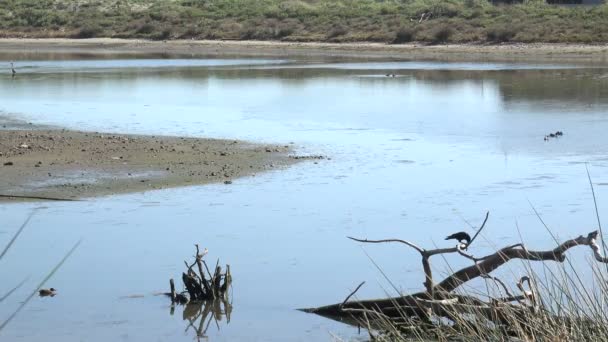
{"x": 62, "y": 164}
{"x": 412, "y": 156}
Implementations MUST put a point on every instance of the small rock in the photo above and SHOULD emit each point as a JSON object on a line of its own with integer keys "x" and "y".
{"x": 8, "y": 164}
{"x": 228, "y": 182}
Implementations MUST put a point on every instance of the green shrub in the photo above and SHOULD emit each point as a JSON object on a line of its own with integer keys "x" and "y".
{"x": 337, "y": 31}
{"x": 394, "y": 21}
{"x": 404, "y": 35}
{"x": 88, "y": 32}
{"x": 500, "y": 34}
{"x": 146, "y": 28}
{"x": 162, "y": 35}
{"x": 442, "y": 34}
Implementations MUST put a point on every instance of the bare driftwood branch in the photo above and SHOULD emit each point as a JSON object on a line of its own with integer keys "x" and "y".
{"x": 426, "y": 254}
{"x": 440, "y": 301}
{"x": 494, "y": 261}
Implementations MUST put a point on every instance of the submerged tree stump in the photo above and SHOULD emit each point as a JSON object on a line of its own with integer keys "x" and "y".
{"x": 201, "y": 286}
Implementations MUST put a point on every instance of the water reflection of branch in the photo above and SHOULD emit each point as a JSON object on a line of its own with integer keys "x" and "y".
{"x": 200, "y": 315}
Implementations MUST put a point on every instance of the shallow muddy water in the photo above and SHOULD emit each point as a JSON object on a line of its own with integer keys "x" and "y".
{"x": 412, "y": 156}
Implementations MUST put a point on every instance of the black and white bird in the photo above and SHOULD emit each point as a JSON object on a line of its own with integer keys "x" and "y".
{"x": 460, "y": 237}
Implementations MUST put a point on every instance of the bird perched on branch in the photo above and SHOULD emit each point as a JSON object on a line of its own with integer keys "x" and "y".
{"x": 460, "y": 237}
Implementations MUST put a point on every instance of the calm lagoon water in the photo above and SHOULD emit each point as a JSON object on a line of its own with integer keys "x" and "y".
{"x": 412, "y": 156}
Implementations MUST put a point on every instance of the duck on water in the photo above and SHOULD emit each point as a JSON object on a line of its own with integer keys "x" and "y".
{"x": 47, "y": 292}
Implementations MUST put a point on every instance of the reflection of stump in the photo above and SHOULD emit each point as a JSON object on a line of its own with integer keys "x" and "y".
{"x": 202, "y": 286}
{"x": 200, "y": 314}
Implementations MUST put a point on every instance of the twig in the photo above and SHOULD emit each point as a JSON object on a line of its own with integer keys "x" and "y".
{"x": 480, "y": 228}
{"x": 351, "y": 294}
{"x": 44, "y": 198}
{"x": 500, "y": 282}
{"x": 207, "y": 268}
{"x": 420, "y": 250}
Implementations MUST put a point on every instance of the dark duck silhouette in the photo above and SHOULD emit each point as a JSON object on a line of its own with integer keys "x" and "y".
{"x": 47, "y": 292}
{"x": 460, "y": 237}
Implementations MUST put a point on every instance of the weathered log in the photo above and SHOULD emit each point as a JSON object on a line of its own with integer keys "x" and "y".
{"x": 494, "y": 261}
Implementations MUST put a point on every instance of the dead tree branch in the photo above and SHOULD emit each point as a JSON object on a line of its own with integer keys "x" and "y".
{"x": 494, "y": 261}
{"x": 439, "y": 300}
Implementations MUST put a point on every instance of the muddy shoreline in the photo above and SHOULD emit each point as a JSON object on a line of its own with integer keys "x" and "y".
{"x": 41, "y": 161}
{"x": 14, "y": 48}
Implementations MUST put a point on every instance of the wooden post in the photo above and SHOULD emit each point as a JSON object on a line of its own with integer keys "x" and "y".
{"x": 172, "y": 284}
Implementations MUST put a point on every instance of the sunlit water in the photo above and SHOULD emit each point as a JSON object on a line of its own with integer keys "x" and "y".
{"x": 412, "y": 156}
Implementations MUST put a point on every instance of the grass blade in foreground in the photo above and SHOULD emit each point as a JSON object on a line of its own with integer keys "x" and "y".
{"x": 13, "y": 290}
{"x": 53, "y": 271}
{"x": 10, "y": 243}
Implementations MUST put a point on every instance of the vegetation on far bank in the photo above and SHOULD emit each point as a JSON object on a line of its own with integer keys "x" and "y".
{"x": 391, "y": 21}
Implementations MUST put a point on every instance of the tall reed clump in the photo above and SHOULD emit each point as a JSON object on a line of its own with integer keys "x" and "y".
{"x": 569, "y": 307}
